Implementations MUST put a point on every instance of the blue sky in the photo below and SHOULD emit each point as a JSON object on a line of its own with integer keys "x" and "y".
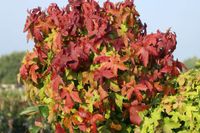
{"x": 183, "y": 16}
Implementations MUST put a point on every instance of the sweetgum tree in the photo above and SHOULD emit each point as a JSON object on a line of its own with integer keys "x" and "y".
{"x": 93, "y": 69}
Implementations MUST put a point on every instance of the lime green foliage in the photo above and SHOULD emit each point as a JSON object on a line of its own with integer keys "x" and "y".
{"x": 179, "y": 113}
{"x": 9, "y": 67}
{"x": 197, "y": 65}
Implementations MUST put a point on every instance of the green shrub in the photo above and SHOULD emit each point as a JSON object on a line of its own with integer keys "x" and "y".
{"x": 179, "y": 113}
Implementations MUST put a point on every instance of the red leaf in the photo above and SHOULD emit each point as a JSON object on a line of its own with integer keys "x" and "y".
{"x": 57, "y": 42}
{"x": 158, "y": 87}
{"x": 110, "y": 66}
{"x": 33, "y": 74}
{"x": 169, "y": 91}
{"x": 152, "y": 50}
{"x": 68, "y": 124}
{"x": 75, "y": 96}
{"x": 134, "y": 116}
{"x": 68, "y": 101}
{"x": 41, "y": 54}
{"x": 141, "y": 87}
{"x": 103, "y": 93}
{"x": 63, "y": 93}
{"x": 118, "y": 43}
{"x": 107, "y": 74}
{"x": 37, "y": 34}
{"x": 101, "y": 59}
{"x": 144, "y": 55}
{"x": 94, "y": 128}
{"x": 56, "y": 81}
{"x": 180, "y": 65}
{"x": 82, "y": 127}
{"x": 59, "y": 129}
{"x": 114, "y": 64}
{"x": 129, "y": 93}
{"x": 148, "y": 85}
{"x": 100, "y": 74}
{"x": 138, "y": 95}
{"x": 23, "y": 72}
{"x": 136, "y": 89}
{"x": 151, "y": 39}
{"x": 96, "y": 117}
{"x": 134, "y": 112}
{"x": 82, "y": 113}
{"x": 33, "y": 15}
{"x": 166, "y": 69}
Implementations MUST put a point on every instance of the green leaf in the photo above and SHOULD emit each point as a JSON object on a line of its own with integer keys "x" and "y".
{"x": 181, "y": 80}
{"x": 114, "y": 86}
{"x": 119, "y": 100}
{"x": 90, "y": 107}
{"x": 169, "y": 125}
{"x": 147, "y": 124}
{"x": 94, "y": 67}
{"x": 129, "y": 129}
{"x": 175, "y": 116}
{"x": 48, "y": 100}
{"x": 30, "y": 111}
{"x": 95, "y": 98}
{"x": 80, "y": 86}
{"x": 49, "y": 57}
{"x": 34, "y": 129}
{"x": 50, "y": 37}
{"x": 83, "y": 31}
{"x": 70, "y": 74}
{"x": 113, "y": 35}
{"x": 124, "y": 28}
{"x": 107, "y": 115}
{"x": 41, "y": 93}
{"x": 156, "y": 116}
{"x": 103, "y": 129}
{"x": 79, "y": 118}
{"x": 44, "y": 111}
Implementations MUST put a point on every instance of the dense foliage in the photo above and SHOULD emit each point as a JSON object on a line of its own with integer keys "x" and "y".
{"x": 12, "y": 102}
{"x": 95, "y": 68}
{"x": 179, "y": 113}
{"x": 9, "y": 67}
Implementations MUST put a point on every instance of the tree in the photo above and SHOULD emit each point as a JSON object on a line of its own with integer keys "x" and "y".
{"x": 9, "y": 67}
{"x": 93, "y": 69}
{"x": 191, "y": 62}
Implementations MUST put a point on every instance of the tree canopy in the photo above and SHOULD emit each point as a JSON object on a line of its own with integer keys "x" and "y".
{"x": 191, "y": 62}
{"x": 9, "y": 67}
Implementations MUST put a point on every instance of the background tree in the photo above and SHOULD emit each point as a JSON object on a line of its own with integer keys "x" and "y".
{"x": 9, "y": 67}
{"x": 191, "y": 62}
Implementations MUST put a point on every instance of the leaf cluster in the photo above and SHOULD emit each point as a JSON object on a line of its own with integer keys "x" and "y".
{"x": 178, "y": 113}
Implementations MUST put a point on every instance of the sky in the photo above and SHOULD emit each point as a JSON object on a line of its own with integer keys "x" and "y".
{"x": 182, "y": 16}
